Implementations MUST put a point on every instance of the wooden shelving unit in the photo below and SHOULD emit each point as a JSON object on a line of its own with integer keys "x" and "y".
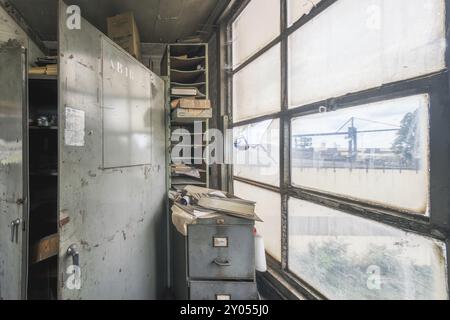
{"x": 186, "y": 66}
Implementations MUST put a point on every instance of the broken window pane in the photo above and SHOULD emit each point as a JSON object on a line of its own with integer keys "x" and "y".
{"x": 356, "y": 45}
{"x": 256, "y": 152}
{"x": 347, "y": 257}
{"x": 257, "y": 87}
{"x": 255, "y": 27}
{"x": 268, "y": 208}
{"x": 376, "y": 152}
{"x": 299, "y": 8}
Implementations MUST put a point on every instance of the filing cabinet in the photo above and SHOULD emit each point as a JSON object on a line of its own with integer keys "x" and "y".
{"x": 216, "y": 260}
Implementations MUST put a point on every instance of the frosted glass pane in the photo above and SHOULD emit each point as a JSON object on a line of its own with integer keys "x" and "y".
{"x": 257, "y": 87}
{"x": 376, "y": 152}
{"x": 255, "y": 27}
{"x": 256, "y": 152}
{"x": 268, "y": 208}
{"x": 356, "y": 45}
{"x": 299, "y": 8}
{"x": 347, "y": 257}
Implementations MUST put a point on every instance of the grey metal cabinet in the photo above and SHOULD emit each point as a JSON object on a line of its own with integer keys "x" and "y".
{"x": 108, "y": 175}
{"x": 12, "y": 169}
{"x": 215, "y": 260}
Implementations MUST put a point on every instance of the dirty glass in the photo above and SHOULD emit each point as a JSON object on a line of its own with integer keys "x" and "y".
{"x": 299, "y": 8}
{"x": 347, "y": 257}
{"x": 356, "y": 45}
{"x": 254, "y": 28}
{"x": 257, "y": 87}
{"x": 375, "y": 152}
{"x": 268, "y": 208}
{"x": 256, "y": 152}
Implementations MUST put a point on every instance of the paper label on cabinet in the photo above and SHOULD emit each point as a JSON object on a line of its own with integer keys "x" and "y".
{"x": 74, "y": 127}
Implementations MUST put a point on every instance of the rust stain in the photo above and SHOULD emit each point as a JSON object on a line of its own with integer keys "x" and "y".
{"x": 64, "y": 221}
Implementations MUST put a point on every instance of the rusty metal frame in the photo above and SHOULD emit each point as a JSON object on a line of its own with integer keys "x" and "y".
{"x": 437, "y": 85}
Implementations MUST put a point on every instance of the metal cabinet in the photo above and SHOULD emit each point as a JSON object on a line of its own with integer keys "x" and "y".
{"x": 216, "y": 260}
{"x": 111, "y": 196}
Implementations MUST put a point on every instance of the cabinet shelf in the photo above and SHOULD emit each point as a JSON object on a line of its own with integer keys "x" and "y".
{"x": 49, "y": 173}
{"x": 42, "y": 77}
{"x": 187, "y": 76}
{"x": 195, "y": 84}
{"x": 186, "y": 63}
{"x": 43, "y": 128}
{"x": 187, "y": 67}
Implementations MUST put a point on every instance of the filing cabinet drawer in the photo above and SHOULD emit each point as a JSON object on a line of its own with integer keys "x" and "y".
{"x": 221, "y": 252}
{"x": 223, "y": 290}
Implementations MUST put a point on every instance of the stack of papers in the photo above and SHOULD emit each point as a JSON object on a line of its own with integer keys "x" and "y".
{"x": 222, "y": 202}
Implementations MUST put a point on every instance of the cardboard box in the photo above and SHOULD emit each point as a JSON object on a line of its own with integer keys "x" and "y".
{"x": 191, "y": 104}
{"x": 122, "y": 29}
{"x": 45, "y": 248}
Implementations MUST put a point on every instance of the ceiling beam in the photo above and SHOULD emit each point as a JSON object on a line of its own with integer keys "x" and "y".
{"x": 19, "y": 19}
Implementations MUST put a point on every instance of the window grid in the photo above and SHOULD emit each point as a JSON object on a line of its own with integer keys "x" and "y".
{"x": 431, "y": 84}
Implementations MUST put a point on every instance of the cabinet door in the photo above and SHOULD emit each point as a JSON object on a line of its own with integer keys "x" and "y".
{"x": 12, "y": 187}
{"x": 111, "y": 169}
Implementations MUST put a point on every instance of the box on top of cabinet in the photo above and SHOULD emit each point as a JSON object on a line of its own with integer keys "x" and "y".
{"x": 123, "y": 29}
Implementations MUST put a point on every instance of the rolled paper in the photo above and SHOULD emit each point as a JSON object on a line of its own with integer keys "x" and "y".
{"x": 260, "y": 254}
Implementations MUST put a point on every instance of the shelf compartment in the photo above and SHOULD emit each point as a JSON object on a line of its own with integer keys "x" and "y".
{"x": 187, "y": 63}
{"x": 187, "y": 76}
{"x": 194, "y": 84}
{"x": 187, "y": 181}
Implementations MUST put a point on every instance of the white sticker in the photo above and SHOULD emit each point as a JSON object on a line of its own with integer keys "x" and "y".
{"x": 220, "y": 242}
{"x": 223, "y": 297}
{"x": 74, "y": 129}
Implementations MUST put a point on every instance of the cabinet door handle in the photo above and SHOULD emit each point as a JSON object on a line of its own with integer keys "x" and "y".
{"x": 73, "y": 252}
{"x": 222, "y": 263}
{"x": 14, "y": 225}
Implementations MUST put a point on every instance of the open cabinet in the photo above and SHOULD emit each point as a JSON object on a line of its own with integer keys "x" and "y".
{"x": 82, "y": 190}
{"x": 43, "y": 239}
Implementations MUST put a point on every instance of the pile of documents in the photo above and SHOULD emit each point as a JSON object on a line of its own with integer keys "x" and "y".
{"x": 223, "y": 202}
{"x": 191, "y": 109}
{"x": 186, "y": 91}
{"x": 45, "y": 66}
{"x": 195, "y": 202}
{"x": 182, "y": 169}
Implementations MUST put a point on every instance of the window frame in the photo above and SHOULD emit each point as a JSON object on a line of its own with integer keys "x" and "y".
{"x": 437, "y": 85}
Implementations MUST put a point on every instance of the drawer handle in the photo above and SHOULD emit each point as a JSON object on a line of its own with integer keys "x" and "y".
{"x": 225, "y": 263}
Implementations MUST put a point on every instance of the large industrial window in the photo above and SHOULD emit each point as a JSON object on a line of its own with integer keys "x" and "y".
{"x": 357, "y": 45}
{"x": 353, "y": 186}
{"x": 247, "y": 39}
{"x": 268, "y": 208}
{"x": 353, "y": 151}
{"x": 256, "y": 153}
{"x": 348, "y": 257}
{"x": 256, "y": 88}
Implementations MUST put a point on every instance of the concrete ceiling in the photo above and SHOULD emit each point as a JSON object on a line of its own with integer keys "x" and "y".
{"x": 159, "y": 21}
